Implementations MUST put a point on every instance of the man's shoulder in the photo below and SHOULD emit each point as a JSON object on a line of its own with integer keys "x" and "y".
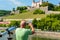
{"x": 17, "y": 28}
{"x": 27, "y": 29}
{"x": 23, "y": 29}
{"x": 20, "y": 28}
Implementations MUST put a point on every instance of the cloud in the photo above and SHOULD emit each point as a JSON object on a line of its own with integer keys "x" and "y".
{"x": 17, "y": 3}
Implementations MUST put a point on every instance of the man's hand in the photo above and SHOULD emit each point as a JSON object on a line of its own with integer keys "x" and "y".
{"x": 30, "y": 24}
{"x": 32, "y": 28}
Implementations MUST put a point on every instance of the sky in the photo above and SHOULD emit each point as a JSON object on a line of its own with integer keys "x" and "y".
{"x": 10, "y": 4}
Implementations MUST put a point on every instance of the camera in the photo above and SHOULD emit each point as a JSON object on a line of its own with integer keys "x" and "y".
{"x": 28, "y": 22}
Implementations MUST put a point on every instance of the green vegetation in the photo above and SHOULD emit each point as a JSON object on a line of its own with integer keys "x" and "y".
{"x": 55, "y": 16}
{"x": 44, "y": 4}
{"x": 14, "y": 23}
{"x": 4, "y": 12}
{"x": 22, "y": 9}
{"x": 50, "y": 23}
{"x": 39, "y": 38}
{"x": 2, "y": 30}
{"x": 26, "y": 15}
{"x": 51, "y": 6}
{"x": 34, "y": 22}
{"x": 56, "y": 8}
{"x": 38, "y": 11}
{"x": 2, "y": 25}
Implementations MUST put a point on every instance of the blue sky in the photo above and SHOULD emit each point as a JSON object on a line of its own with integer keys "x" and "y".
{"x": 9, "y": 4}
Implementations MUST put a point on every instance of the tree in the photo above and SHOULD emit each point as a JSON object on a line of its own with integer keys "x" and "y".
{"x": 14, "y": 9}
{"x": 38, "y": 11}
{"x": 22, "y": 9}
{"x": 50, "y": 6}
{"x": 49, "y": 23}
{"x": 14, "y": 23}
{"x": 34, "y": 22}
{"x": 59, "y": 3}
{"x": 44, "y": 4}
{"x": 4, "y": 12}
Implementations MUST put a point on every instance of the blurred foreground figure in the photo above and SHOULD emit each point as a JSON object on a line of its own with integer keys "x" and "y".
{"x": 22, "y": 33}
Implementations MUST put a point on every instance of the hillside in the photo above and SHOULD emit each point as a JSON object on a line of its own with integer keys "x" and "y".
{"x": 4, "y": 12}
{"x": 26, "y": 15}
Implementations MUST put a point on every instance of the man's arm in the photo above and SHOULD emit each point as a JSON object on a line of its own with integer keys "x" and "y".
{"x": 32, "y": 28}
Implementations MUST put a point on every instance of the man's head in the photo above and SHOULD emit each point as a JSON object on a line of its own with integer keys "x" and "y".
{"x": 23, "y": 24}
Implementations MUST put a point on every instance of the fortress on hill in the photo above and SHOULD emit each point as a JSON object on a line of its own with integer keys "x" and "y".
{"x": 37, "y": 4}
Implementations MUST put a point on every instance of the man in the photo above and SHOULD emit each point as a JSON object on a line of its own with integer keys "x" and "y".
{"x": 22, "y": 33}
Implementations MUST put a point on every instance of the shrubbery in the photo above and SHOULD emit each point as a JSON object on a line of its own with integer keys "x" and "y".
{"x": 38, "y": 11}
{"x": 22, "y": 9}
{"x": 14, "y": 23}
{"x": 2, "y": 30}
{"x": 44, "y": 4}
{"x": 56, "y": 16}
{"x": 50, "y": 23}
{"x": 34, "y": 22}
{"x": 4, "y": 12}
{"x": 42, "y": 38}
{"x": 56, "y": 8}
{"x": 51, "y": 6}
{"x": 2, "y": 25}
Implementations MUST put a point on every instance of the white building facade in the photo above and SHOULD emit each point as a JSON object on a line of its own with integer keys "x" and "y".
{"x": 36, "y": 4}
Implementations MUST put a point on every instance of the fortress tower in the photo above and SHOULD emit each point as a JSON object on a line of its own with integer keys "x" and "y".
{"x": 41, "y": 1}
{"x": 33, "y": 3}
{"x": 36, "y": 4}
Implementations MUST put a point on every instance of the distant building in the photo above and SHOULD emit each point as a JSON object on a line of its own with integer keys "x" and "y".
{"x": 36, "y": 4}
{"x": 15, "y": 12}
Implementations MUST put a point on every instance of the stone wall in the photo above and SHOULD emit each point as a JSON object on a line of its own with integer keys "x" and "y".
{"x": 53, "y": 12}
{"x": 46, "y": 10}
{"x": 49, "y": 12}
{"x": 46, "y": 34}
{"x": 15, "y": 12}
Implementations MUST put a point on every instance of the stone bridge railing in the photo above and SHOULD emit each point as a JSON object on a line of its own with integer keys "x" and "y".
{"x": 46, "y": 34}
